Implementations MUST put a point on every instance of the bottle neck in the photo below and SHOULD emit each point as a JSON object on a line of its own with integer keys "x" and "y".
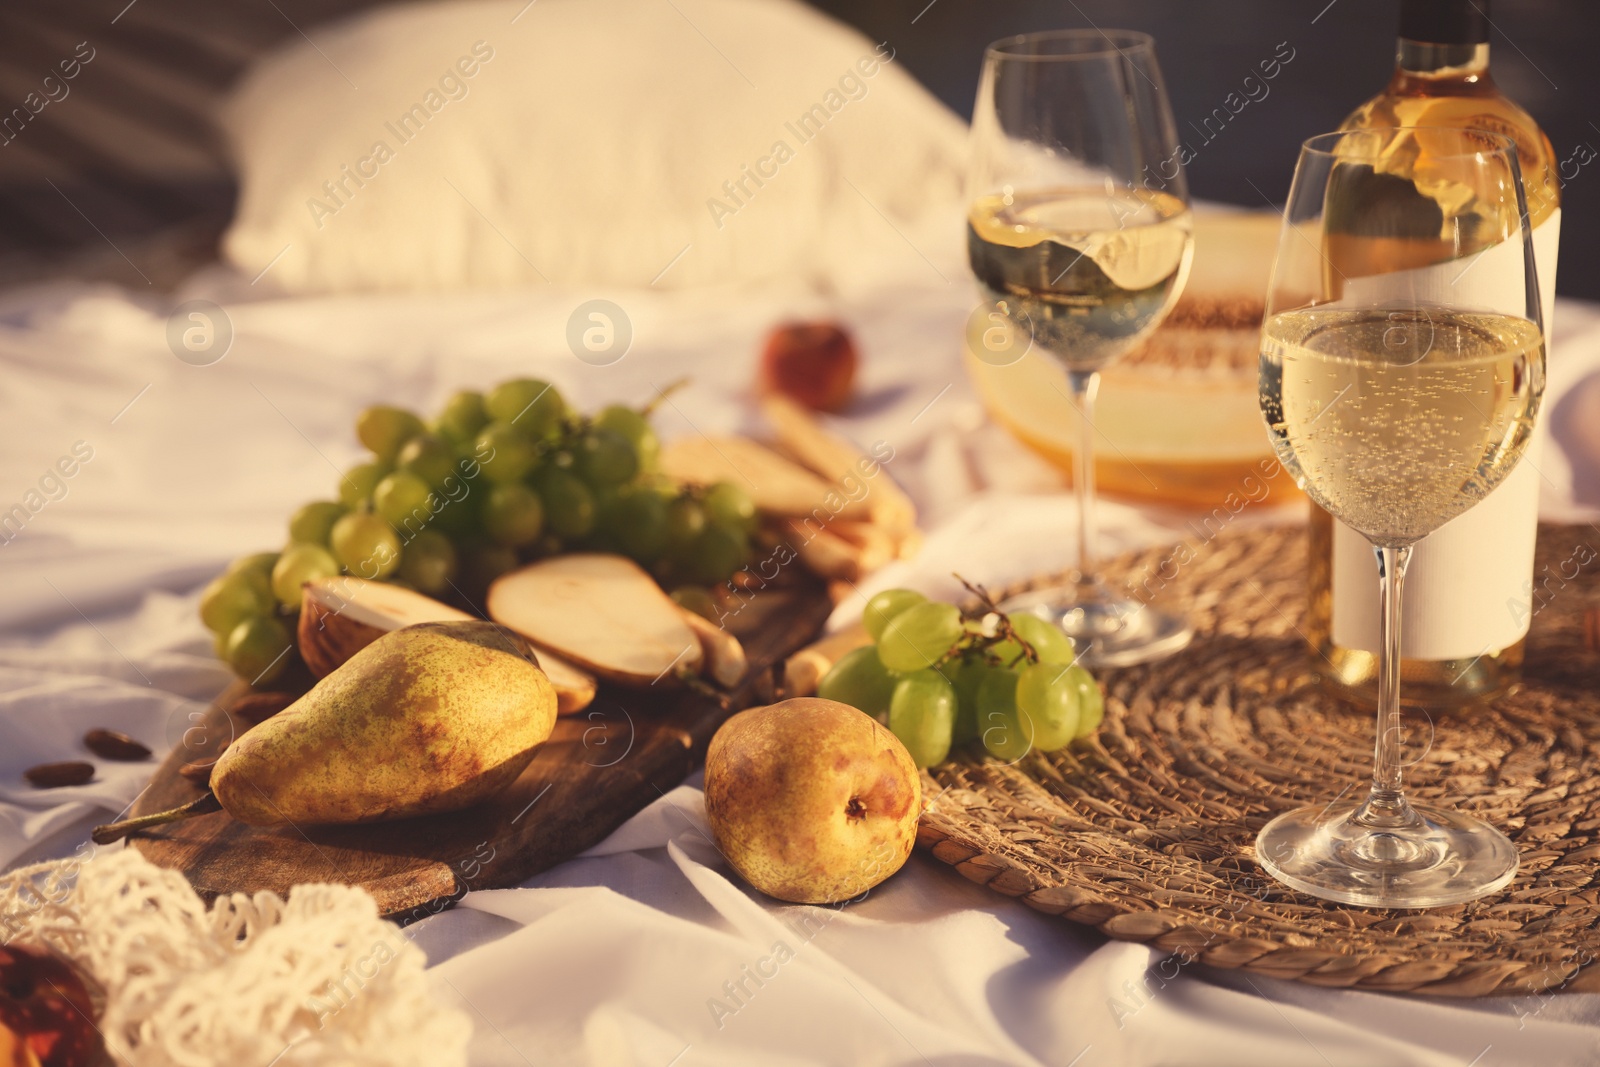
{"x": 1466, "y": 62}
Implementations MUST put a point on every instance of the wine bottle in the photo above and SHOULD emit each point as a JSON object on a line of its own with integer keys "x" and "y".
{"x": 1469, "y": 587}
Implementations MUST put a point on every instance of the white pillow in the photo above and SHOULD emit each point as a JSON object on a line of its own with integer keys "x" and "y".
{"x": 604, "y": 142}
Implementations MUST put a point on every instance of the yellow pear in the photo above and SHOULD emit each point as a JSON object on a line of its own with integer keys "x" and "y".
{"x": 428, "y": 718}
{"x": 812, "y": 801}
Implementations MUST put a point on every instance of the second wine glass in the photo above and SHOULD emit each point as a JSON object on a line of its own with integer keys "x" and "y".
{"x": 1078, "y": 232}
{"x": 1402, "y": 369}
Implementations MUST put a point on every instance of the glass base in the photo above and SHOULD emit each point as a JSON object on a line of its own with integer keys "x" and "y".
{"x": 1107, "y": 631}
{"x": 1424, "y": 858}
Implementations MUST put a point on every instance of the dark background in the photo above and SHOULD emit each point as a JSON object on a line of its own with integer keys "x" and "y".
{"x": 1543, "y": 54}
{"x": 87, "y": 192}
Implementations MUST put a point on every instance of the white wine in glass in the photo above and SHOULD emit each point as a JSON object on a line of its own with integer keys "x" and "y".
{"x": 1083, "y": 249}
{"x": 1399, "y": 448}
{"x": 1398, "y": 400}
{"x": 1092, "y": 270}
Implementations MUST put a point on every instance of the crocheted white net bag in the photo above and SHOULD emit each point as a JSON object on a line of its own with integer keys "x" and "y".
{"x": 317, "y": 979}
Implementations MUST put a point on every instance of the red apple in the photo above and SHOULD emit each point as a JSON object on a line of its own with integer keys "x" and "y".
{"x": 46, "y": 1011}
{"x": 812, "y": 801}
{"x": 811, "y": 362}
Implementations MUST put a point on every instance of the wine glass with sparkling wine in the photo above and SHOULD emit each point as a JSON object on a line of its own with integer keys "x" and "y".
{"x": 1079, "y": 235}
{"x": 1402, "y": 365}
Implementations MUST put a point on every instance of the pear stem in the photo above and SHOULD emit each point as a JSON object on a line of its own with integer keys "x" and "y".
{"x": 116, "y": 831}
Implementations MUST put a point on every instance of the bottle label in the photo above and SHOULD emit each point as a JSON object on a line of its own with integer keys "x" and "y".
{"x": 1469, "y": 586}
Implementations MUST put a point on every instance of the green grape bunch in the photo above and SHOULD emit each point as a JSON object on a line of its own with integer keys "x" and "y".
{"x": 493, "y": 480}
{"x": 940, "y": 677}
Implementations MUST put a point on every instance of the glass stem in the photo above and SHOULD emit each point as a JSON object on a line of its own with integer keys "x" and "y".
{"x": 1386, "y": 805}
{"x": 1085, "y": 385}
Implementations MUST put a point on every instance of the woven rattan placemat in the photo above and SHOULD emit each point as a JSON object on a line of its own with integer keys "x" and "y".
{"x": 1146, "y": 831}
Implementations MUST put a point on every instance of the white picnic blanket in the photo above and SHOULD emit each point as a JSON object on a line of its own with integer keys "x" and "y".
{"x": 644, "y": 951}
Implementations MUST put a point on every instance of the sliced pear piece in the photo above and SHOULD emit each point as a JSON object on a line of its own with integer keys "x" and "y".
{"x": 725, "y": 661}
{"x": 575, "y": 688}
{"x": 341, "y": 616}
{"x": 836, "y": 460}
{"x": 602, "y": 612}
{"x": 776, "y": 484}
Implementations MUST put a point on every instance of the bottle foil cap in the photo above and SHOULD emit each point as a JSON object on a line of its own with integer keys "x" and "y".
{"x": 1445, "y": 21}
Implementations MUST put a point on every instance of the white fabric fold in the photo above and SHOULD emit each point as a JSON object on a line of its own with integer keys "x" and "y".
{"x": 612, "y": 957}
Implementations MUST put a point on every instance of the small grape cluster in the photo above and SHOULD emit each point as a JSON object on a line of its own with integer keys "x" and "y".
{"x": 492, "y": 481}
{"x": 939, "y": 677}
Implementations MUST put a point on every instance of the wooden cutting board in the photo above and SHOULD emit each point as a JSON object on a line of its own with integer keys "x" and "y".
{"x": 598, "y": 769}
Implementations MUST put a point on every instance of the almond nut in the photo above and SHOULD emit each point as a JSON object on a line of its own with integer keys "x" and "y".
{"x": 56, "y": 775}
{"x": 110, "y": 744}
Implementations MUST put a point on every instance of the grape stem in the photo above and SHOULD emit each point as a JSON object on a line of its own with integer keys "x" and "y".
{"x": 662, "y": 394}
{"x": 1004, "y": 630}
